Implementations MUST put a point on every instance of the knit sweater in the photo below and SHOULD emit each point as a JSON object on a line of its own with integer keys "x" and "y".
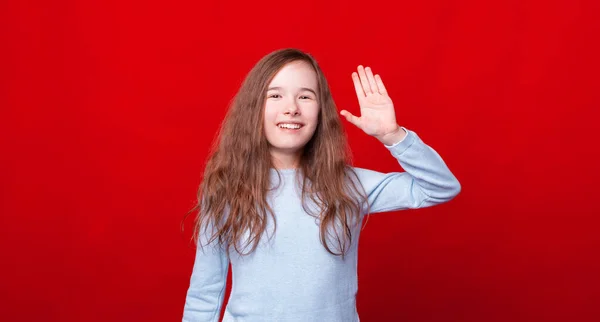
{"x": 291, "y": 277}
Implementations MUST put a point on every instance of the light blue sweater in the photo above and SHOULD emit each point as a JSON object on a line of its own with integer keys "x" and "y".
{"x": 291, "y": 277}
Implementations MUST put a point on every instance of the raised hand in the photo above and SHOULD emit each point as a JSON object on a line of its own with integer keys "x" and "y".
{"x": 378, "y": 117}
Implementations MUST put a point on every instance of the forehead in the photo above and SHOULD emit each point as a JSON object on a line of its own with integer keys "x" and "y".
{"x": 295, "y": 74}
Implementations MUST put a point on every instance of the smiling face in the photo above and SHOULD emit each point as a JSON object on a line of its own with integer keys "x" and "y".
{"x": 291, "y": 112}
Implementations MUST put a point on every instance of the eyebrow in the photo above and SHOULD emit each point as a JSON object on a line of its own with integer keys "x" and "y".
{"x": 301, "y": 88}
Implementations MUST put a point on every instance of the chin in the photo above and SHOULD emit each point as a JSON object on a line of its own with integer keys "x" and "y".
{"x": 287, "y": 148}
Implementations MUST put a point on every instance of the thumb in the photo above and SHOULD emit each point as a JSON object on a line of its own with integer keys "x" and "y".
{"x": 350, "y": 118}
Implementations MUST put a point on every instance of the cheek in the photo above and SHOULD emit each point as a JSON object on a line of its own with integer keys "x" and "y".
{"x": 313, "y": 113}
{"x": 270, "y": 116}
{"x": 270, "y": 113}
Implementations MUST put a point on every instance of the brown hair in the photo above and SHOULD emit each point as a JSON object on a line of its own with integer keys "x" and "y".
{"x": 236, "y": 180}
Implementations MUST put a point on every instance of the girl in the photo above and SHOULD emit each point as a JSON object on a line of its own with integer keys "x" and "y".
{"x": 280, "y": 202}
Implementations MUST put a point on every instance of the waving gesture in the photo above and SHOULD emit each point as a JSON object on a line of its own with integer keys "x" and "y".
{"x": 376, "y": 108}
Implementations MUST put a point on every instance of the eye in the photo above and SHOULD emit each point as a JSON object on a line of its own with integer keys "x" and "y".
{"x": 274, "y": 96}
{"x": 305, "y": 97}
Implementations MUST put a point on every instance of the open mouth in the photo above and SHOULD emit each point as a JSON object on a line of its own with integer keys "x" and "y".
{"x": 293, "y": 126}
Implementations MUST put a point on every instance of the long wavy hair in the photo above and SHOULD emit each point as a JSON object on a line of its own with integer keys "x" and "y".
{"x": 232, "y": 197}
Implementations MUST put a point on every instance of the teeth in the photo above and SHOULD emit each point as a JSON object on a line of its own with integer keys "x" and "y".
{"x": 289, "y": 126}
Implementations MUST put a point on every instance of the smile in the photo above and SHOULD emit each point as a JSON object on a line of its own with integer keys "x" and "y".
{"x": 290, "y": 126}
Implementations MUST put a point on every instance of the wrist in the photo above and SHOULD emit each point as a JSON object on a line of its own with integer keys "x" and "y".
{"x": 393, "y": 137}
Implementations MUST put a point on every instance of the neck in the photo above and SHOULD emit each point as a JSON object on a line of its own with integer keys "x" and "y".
{"x": 285, "y": 160}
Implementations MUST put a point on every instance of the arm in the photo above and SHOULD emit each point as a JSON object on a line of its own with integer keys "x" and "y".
{"x": 426, "y": 182}
{"x": 207, "y": 284}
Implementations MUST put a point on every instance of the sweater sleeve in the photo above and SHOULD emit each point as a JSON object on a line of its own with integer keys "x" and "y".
{"x": 426, "y": 182}
{"x": 207, "y": 284}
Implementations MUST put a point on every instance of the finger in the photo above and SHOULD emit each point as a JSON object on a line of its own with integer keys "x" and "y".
{"x": 363, "y": 80}
{"x": 380, "y": 85}
{"x": 350, "y": 118}
{"x": 371, "y": 79}
{"x": 357, "y": 87}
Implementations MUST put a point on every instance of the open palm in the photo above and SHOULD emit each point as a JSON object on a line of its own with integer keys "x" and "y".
{"x": 377, "y": 115}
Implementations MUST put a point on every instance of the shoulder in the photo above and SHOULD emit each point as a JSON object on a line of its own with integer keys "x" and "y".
{"x": 361, "y": 175}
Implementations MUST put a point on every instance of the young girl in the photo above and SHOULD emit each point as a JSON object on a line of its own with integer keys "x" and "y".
{"x": 280, "y": 202}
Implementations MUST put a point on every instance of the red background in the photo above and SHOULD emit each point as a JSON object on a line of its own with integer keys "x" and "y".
{"x": 108, "y": 110}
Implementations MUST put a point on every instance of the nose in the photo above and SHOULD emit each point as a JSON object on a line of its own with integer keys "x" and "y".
{"x": 292, "y": 109}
